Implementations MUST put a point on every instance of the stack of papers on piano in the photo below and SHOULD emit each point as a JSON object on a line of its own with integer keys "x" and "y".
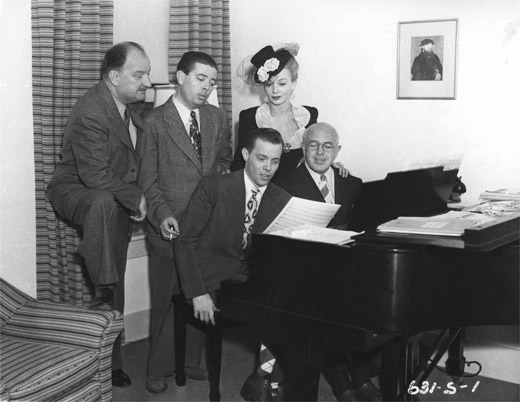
{"x": 497, "y": 208}
{"x": 502, "y": 194}
{"x": 316, "y": 233}
{"x": 452, "y": 223}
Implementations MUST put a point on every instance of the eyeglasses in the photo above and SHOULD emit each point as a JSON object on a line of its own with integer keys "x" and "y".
{"x": 327, "y": 146}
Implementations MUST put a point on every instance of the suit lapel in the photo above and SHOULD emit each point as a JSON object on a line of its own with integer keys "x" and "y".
{"x": 207, "y": 128}
{"x": 307, "y": 185}
{"x": 340, "y": 188}
{"x": 178, "y": 133}
{"x": 117, "y": 126}
{"x": 235, "y": 196}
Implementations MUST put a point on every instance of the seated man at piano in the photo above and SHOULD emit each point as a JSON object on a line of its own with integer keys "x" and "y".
{"x": 215, "y": 231}
{"x": 316, "y": 179}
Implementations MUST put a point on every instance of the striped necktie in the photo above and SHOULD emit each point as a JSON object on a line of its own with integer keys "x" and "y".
{"x": 251, "y": 210}
{"x": 324, "y": 188}
{"x": 195, "y": 135}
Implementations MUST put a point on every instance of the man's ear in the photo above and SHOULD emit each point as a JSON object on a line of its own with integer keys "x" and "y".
{"x": 245, "y": 154}
{"x": 114, "y": 76}
{"x": 180, "y": 77}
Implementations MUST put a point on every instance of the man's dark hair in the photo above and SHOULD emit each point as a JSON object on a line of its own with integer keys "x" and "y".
{"x": 188, "y": 60}
{"x": 115, "y": 57}
{"x": 265, "y": 134}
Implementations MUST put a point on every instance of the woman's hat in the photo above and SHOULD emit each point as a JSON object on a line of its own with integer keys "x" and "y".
{"x": 269, "y": 63}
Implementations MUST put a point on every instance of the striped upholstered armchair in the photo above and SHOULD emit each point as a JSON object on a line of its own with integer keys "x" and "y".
{"x": 54, "y": 351}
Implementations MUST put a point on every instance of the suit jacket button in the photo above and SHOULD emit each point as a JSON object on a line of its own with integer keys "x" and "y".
{"x": 133, "y": 170}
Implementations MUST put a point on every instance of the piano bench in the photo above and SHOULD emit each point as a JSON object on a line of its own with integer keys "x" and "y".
{"x": 183, "y": 314}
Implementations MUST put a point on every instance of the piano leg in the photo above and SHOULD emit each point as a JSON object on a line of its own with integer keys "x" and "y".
{"x": 392, "y": 376}
{"x": 456, "y": 360}
{"x": 301, "y": 369}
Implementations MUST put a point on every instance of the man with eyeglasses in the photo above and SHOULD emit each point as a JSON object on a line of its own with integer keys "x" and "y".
{"x": 316, "y": 179}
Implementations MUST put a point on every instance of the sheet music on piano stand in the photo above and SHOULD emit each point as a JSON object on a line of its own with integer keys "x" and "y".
{"x": 299, "y": 211}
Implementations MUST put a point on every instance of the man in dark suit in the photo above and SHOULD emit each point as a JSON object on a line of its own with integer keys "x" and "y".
{"x": 95, "y": 181}
{"x": 187, "y": 139}
{"x": 316, "y": 179}
{"x": 215, "y": 230}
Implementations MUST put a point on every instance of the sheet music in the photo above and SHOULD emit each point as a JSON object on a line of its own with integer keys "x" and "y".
{"x": 319, "y": 234}
{"x": 299, "y": 211}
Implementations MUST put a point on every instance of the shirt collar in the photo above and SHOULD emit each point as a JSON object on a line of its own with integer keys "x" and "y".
{"x": 120, "y": 107}
{"x": 184, "y": 112}
{"x": 317, "y": 176}
{"x": 251, "y": 186}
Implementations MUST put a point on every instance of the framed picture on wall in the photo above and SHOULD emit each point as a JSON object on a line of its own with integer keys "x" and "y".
{"x": 427, "y": 59}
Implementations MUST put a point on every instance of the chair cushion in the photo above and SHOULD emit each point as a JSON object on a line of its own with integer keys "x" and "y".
{"x": 11, "y": 299}
{"x": 38, "y": 371}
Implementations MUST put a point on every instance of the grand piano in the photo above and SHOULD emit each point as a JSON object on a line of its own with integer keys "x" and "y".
{"x": 382, "y": 291}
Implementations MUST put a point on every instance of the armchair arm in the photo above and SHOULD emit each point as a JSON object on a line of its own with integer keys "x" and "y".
{"x": 64, "y": 324}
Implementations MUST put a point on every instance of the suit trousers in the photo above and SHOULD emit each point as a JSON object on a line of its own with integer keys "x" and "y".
{"x": 107, "y": 229}
{"x": 164, "y": 284}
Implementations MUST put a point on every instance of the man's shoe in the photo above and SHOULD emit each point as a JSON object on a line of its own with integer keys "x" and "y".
{"x": 120, "y": 379}
{"x": 156, "y": 385}
{"x": 257, "y": 388}
{"x": 196, "y": 373}
{"x": 368, "y": 392}
{"x": 103, "y": 299}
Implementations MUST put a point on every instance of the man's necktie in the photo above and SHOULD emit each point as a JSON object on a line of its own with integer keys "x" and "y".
{"x": 195, "y": 135}
{"x": 127, "y": 125}
{"x": 324, "y": 188}
{"x": 251, "y": 209}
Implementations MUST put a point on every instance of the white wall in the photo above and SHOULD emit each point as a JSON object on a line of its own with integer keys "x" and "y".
{"x": 348, "y": 71}
{"x": 147, "y": 23}
{"x": 17, "y": 198}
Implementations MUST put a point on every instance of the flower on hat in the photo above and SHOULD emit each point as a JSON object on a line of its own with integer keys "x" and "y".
{"x": 270, "y": 65}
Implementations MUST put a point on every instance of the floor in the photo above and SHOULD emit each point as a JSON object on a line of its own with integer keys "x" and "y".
{"x": 238, "y": 362}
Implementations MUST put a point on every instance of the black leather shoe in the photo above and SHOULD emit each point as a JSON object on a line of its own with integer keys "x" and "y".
{"x": 156, "y": 385}
{"x": 196, "y": 373}
{"x": 103, "y": 299}
{"x": 120, "y": 379}
{"x": 257, "y": 388}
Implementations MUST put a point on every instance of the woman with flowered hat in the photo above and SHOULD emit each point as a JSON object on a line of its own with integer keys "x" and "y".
{"x": 277, "y": 72}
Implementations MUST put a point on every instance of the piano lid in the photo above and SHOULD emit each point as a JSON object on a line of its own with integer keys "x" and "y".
{"x": 421, "y": 192}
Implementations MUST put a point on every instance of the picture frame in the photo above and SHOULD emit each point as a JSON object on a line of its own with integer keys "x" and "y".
{"x": 427, "y": 59}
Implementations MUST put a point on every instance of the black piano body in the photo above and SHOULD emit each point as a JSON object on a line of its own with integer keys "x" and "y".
{"x": 380, "y": 290}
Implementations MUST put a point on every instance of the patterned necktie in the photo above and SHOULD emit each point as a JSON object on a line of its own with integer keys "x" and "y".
{"x": 195, "y": 135}
{"x": 324, "y": 188}
{"x": 251, "y": 209}
{"x": 127, "y": 121}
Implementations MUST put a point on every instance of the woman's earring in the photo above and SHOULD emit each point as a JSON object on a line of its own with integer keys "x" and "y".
{"x": 266, "y": 99}
{"x": 292, "y": 96}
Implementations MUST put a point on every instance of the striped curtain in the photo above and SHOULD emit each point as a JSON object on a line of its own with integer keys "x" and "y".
{"x": 202, "y": 25}
{"x": 69, "y": 40}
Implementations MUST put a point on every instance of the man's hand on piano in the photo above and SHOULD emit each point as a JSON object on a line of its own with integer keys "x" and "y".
{"x": 204, "y": 308}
